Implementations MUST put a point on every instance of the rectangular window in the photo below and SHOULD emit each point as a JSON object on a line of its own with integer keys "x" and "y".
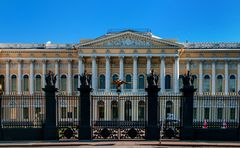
{"x": 220, "y": 113}
{"x": 232, "y": 113}
{"x": 63, "y": 112}
{"x": 25, "y": 113}
{"x": 206, "y": 113}
{"x": 75, "y": 112}
{"x": 194, "y": 113}
{"x": 37, "y": 110}
{"x": 101, "y": 113}
{"x": 141, "y": 113}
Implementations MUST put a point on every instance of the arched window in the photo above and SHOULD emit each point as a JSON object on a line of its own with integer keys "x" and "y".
{"x": 141, "y": 82}
{"x": 129, "y": 82}
{"x": 195, "y": 82}
{"x": 63, "y": 82}
{"x": 13, "y": 83}
{"x": 75, "y": 82}
{"x": 114, "y": 108}
{"x": 100, "y": 108}
{"x": 102, "y": 82}
{"x": 206, "y": 83}
{"x": 25, "y": 83}
{"x": 114, "y": 78}
{"x": 169, "y": 109}
{"x": 219, "y": 83}
{"x": 232, "y": 83}
{"x": 180, "y": 81}
{"x": 167, "y": 82}
{"x": 128, "y": 111}
{"x": 141, "y": 110}
{"x": 2, "y": 82}
{"x": 38, "y": 83}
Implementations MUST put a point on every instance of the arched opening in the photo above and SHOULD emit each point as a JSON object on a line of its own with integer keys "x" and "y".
{"x": 167, "y": 82}
{"x": 13, "y": 83}
{"x": 141, "y": 82}
{"x": 38, "y": 83}
{"x": 141, "y": 111}
{"x": 129, "y": 82}
{"x": 63, "y": 83}
{"x": 128, "y": 110}
{"x": 219, "y": 83}
{"x": 102, "y": 82}
{"x": 100, "y": 108}
{"x": 114, "y": 109}
{"x": 232, "y": 83}
{"x": 25, "y": 83}
{"x": 206, "y": 83}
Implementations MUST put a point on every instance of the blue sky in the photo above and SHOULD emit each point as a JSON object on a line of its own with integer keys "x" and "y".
{"x": 66, "y": 21}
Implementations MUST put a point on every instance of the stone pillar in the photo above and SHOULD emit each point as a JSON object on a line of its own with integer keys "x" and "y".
{"x": 186, "y": 116}
{"x": 84, "y": 132}
{"x": 50, "y": 129}
{"x": 94, "y": 70}
{"x": 188, "y": 65}
{"x": 44, "y": 70}
{"x": 7, "y": 84}
{"x": 176, "y": 75}
{"x": 19, "y": 77}
{"x": 31, "y": 76}
{"x": 238, "y": 77}
{"x": 226, "y": 77}
{"x": 152, "y": 129}
{"x": 148, "y": 64}
{"x": 200, "y": 77}
{"x": 213, "y": 78}
{"x": 57, "y": 73}
{"x": 69, "y": 77}
{"x": 121, "y": 70}
{"x": 135, "y": 74}
{"x": 108, "y": 73}
{"x": 162, "y": 74}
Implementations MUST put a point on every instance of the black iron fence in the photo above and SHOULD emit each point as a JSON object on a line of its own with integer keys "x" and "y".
{"x": 23, "y": 111}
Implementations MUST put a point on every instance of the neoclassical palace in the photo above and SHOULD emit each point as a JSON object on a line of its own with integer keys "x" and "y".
{"x": 127, "y": 55}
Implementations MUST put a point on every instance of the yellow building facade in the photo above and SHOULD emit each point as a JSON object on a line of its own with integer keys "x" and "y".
{"x": 127, "y": 55}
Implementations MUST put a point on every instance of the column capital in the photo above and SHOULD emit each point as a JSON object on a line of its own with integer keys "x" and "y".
{"x": 93, "y": 57}
{"x": 8, "y": 61}
{"x": 135, "y": 57}
{"x": 176, "y": 57}
{"x": 80, "y": 57}
{"x": 44, "y": 61}
{"x": 69, "y": 61}
{"x": 149, "y": 57}
{"x": 20, "y": 61}
{"x": 121, "y": 57}
{"x": 32, "y": 61}
{"x": 107, "y": 57}
{"x": 57, "y": 61}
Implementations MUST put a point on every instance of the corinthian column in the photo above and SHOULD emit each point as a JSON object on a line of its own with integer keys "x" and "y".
{"x": 44, "y": 68}
{"x": 176, "y": 77}
{"x": 31, "y": 77}
{"x": 200, "y": 77}
{"x": 162, "y": 74}
{"x": 226, "y": 77}
{"x": 69, "y": 78}
{"x": 238, "y": 77}
{"x": 19, "y": 77}
{"x": 213, "y": 77}
{"x": 80, "y": 68}
{"x": 108, "y": 72}
{"x": 121, "y": 70}
{"x": 135, "y": 74}
{"x": 57, "y": 73}
{"x": 7, "y": 76}
{"x": 148, "y": 64}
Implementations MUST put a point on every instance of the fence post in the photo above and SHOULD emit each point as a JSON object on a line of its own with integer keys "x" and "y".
{"x": 152, "y": 129}
{"x": 84, "y": 113}
{"x": 187, "y": 113}
{"x": 50, "y": 128}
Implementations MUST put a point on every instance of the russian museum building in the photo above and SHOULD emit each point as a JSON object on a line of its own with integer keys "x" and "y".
{"x": 127, "y": 55}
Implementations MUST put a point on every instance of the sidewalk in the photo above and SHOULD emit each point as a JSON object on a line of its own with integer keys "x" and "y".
{"x": 136, "y": 143}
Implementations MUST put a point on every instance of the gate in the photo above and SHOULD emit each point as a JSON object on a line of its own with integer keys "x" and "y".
{"x": 170, "y": 115}
{"x": 67, "y": 117}
{"x": 118, "y": 116}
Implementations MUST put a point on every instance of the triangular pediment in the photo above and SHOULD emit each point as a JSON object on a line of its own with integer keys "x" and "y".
{"x": 129, "y": 39}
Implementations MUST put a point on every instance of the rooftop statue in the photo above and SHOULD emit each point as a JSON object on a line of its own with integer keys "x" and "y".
{"x": 86, "y": 79}
{"x": 152, "y": 78}
{"x": 50, "y": 78}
